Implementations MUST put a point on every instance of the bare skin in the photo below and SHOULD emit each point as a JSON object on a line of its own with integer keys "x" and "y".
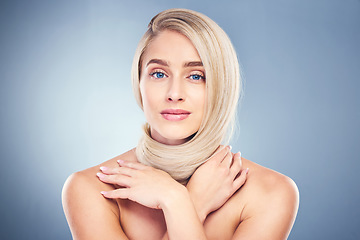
{"x": 127, "y": 200}
{"x": 263, "y": 208}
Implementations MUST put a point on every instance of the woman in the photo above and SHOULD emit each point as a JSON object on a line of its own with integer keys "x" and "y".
{"x": 180, "y": 182}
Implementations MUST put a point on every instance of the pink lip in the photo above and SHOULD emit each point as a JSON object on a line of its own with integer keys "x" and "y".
{"x": 175, "y": 114}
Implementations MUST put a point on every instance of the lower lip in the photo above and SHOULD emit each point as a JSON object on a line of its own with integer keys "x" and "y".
{"x": 174, "y": 117}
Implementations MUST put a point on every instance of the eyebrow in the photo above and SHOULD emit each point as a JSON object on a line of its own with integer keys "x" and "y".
{"x": 193, "y": 64}
{"x": 158, "y": 61}
{"x": 164, "y": 63}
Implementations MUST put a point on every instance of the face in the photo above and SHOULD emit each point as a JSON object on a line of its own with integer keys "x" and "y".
{"x": 172, "y": 86}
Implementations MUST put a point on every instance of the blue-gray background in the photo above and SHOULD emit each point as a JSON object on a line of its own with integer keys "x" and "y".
{"x": 67, "y": 104}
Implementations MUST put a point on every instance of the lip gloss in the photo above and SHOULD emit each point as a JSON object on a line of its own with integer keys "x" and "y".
{"x": 175, "y": 117}
{"x": 175, "y": 114}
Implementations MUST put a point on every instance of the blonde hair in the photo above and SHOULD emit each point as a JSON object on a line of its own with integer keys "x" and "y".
{"x": 222, "y": 85}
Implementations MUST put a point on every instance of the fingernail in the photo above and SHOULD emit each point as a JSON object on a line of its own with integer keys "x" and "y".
{"x": 99, "y": 175}
{"x": 103, "y": 168}
{"x": 103, "y": 192}
{"x": 120, "y": 161}
{"x": 246, "y": 170}
{"x": 230, "y": 147}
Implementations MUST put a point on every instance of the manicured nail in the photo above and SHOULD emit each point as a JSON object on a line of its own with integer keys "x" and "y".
{"x": 103, "y": 192}
{"x": 246, "y": 170}
{"x": 99, "y": 174}
{"x": 120, "y": 161}
{"x": 103, "y": 168}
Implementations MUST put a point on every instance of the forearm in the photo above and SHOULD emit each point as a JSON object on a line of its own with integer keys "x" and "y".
{"x": 181, "y": 218}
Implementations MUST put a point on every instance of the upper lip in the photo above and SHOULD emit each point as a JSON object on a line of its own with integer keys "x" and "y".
{"x": 175, "y": 111}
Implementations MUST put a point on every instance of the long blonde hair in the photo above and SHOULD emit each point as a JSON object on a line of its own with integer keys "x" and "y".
{"x": 222, "y": 85}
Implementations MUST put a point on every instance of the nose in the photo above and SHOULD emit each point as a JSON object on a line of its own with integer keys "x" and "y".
{"x": 176, "y": 91}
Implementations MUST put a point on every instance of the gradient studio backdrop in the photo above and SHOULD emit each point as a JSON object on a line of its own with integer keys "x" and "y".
{"x": 67, "y": 103}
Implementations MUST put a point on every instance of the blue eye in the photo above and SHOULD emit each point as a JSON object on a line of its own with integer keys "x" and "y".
{"x": 196, "y": 77}
{"x": 158, "y": 74}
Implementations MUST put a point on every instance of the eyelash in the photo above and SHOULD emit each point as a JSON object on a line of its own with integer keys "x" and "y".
{"x": 152, "y": 74}
{"x": 199, "y": 75}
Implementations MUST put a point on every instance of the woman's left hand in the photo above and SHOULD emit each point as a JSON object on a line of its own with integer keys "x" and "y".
{"x": 145, "y": 185}
{"x": 214, "y": 182}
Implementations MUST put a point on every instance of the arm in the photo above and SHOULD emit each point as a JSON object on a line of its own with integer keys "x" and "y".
{"x": 156, "y": 189}
{"x": 89, "y": 215}
{"x": 214, "y": 183}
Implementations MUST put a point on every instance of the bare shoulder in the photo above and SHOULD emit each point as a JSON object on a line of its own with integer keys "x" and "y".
{"x": 271, "y": 202}
{"x": 86, "y": 181}
{"x": 263, "y": 181}
{"x": 89, "y": 214}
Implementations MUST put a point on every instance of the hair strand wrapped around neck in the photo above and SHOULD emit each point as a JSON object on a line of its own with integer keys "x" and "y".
{"x": 222, "y": 85}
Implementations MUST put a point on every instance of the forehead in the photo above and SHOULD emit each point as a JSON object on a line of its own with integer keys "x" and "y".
{"x": 172, "y": 47}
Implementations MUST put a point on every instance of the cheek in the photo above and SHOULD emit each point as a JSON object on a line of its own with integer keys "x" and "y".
{"x": 150, "y": 97}
{"x": 202, "y": 103}
{"x": 204, "y": 98}
{"x": 201, "y": 98}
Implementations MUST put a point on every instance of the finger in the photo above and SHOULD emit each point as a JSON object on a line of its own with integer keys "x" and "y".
{"x": 228, "y": 158}
{"x": 221, "y": 147}
{"x": 122, "y": 193}
{"x": 220, "y": 153}
{"x": 130, "y": 164}
{"x": 238, "y": 158}
{"x": 118, "y": 179}
{"x": 236, "y": 165}
{"x": 118, "y": 170}
{"x": 240, "y": 180}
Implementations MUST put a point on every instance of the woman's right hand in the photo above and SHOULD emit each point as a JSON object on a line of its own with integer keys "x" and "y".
{"x": 214, "y": 182}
